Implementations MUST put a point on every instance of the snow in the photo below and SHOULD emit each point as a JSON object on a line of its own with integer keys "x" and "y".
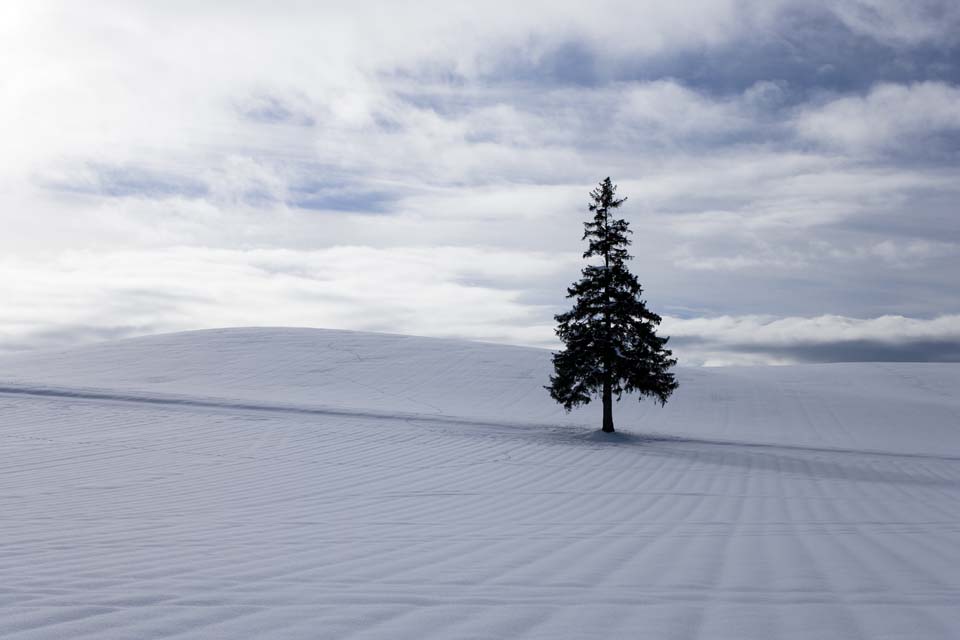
{"x": 296, "y": 483}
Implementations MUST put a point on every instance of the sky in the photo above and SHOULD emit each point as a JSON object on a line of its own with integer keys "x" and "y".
{"x": 792, "y": 169}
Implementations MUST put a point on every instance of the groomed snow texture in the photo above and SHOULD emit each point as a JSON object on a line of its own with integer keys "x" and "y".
{"x": 293, "y": 483}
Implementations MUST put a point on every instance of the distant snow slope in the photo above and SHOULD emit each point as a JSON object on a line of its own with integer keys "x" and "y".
{"x": 295, "y": 483}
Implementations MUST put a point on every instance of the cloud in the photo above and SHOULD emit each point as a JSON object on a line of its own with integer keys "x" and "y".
{"x": 439, "y": 291}
{"x": 780, "y": 158}
{"x": 828, "y": 338}
{"x": 123, "y": 181}
{"x": 906, "y": 119}
{"x": 265, "y": 108}
{"x": 898, "y": 23}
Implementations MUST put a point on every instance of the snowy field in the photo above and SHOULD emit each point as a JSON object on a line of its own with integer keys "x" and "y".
{"x": 266, "y": 483}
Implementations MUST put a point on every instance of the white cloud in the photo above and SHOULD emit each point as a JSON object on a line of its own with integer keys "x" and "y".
{"x": 900, "y": 23}
{"x": 668, "y": 113}
{"x": 890, "y": 116}
{"x": 440, "y": 291}
{"x": 827, "y": 328}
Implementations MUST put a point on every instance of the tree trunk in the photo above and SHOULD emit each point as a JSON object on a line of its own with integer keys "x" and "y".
{"x": 607, "y": 386}
{"x": 607, "y": 407}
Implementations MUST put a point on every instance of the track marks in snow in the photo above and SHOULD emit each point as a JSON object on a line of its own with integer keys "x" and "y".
{"x": 269, "y": 484}
{"x": 135, "y": 520}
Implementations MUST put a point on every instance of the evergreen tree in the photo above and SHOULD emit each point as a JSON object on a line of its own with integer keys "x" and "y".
{"x": 609, "y": 336}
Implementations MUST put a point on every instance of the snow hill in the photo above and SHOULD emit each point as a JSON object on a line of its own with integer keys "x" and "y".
{"x": 298, "y": 483}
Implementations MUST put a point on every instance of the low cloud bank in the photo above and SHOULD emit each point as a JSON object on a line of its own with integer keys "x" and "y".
{"x": 732, "y": 340}
{"x": 472, "y": 293}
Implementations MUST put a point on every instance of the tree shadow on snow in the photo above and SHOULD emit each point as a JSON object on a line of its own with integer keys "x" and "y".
{"x": 815, "y": 462}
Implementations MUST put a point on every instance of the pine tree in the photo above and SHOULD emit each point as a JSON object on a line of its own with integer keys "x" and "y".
{"x": 611, "y": 346}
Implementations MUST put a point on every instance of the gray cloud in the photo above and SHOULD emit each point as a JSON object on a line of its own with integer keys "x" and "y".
{"x": 119, "y": 181}
{"x": 273, "y": 109}
{"x": 861, "y": 351}
{"x": 752, "y": 339}
{"x": 812, "y": 47}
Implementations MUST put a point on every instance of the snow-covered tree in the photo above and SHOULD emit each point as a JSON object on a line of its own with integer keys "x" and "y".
{"x": 609, "y": 336}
